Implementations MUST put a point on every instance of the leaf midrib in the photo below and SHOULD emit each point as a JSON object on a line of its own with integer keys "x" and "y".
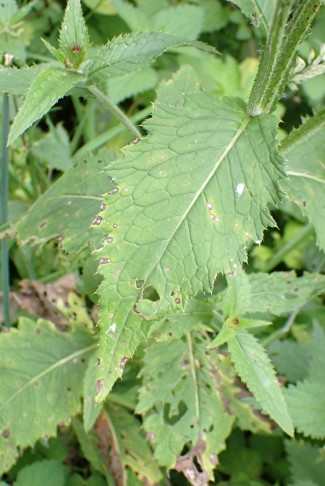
{"x": 57, "y": 364}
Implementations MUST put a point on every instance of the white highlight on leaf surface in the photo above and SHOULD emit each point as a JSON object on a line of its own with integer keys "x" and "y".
{"x": 112, "y": 328}
{"x": 240, "y": 189}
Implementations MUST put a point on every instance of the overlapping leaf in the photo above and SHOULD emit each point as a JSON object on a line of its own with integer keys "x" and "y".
{"x": 305, "y": 152}
{"x": 69, "y": 206}
{"x": 41, "y": 376}
{"x": 190, "y": 197}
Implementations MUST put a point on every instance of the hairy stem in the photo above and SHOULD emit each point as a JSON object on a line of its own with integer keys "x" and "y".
{"x": 279, "y": 54}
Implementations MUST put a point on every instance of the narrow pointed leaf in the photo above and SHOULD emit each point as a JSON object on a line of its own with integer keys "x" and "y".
{"x": 190, "y": 197}
{"x": 255, "y": 369}
{"x": 46, "y": 89}
{"x": 132, "y": 52}
{"x": 74, "y": 39}
{"x": 304, "y": 150}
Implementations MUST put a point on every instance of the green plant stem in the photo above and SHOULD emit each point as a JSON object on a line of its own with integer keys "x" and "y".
{"x": 4, "y": 210}
{"x": 288, "y": 247}
{"x": 279, "y": 55}
{"x": 284, "y": 330}
{"x": 114, "y": 109}
{"x": 110, "y": 134}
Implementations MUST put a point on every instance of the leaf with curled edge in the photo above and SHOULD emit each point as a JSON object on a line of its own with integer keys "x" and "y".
{"x": 189, "y": 198}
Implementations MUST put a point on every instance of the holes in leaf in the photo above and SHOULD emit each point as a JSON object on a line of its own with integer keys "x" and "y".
{"x": 43, "y": 225}
{"x": 172, "y": 420}
{"x": 151, "y": 293}
{"x": 139, "y": 284}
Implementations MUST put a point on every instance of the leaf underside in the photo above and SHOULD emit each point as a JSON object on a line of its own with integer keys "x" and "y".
{"x": 190, "y": 197}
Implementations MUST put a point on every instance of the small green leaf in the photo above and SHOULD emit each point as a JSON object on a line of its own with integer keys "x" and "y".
{"x": 74, "y": 39}
{"x": 236, "y": 300}
{"x": 59, "y": 56}
{"x": 46, "y": 89}
{"x": 256, "y": 370}
{"x": 40, "y": 380}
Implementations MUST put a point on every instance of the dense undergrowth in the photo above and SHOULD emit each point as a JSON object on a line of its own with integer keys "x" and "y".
{"x": 162, "y": 258}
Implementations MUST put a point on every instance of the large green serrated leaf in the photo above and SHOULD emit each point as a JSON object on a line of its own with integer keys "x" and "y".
{"x": 190, "y": 197}
{"x": 305, "y": 152}
{"x": 132, "y": 52}
{"x": 306, "y": 403}
{"x": 181, "y": 403}
{"x": 67, "y": 209}
{"x": 46, "y": 89}
{"x": 41, "y": 372}
{"x": 255, "y": 369}
{"x": 259, "y": 11}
